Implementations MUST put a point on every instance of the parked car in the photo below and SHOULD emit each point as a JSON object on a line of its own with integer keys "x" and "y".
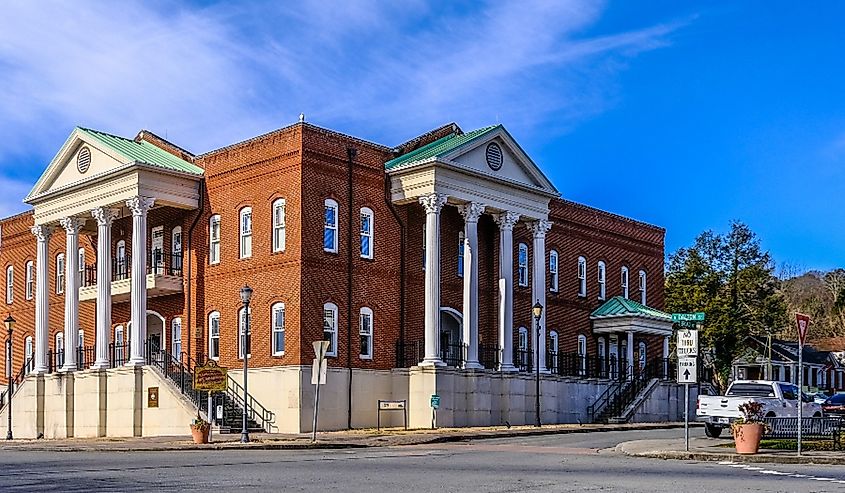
{"x": 820, "y": 397}
{"x": 779, "y": 399}
{"x": 834, "y": 406}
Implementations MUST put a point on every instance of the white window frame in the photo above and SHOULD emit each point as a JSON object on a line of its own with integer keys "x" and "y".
{"x": 554, "y": 341}
{"x": 602, "y": 348}
{"x": 176, "y": 342}
{"x": 522, "y": 264}
{"x": 176, "y": 248}
{"x": 277, "y": 328}
{"x": 121, "y": 269}
{"x": 582, "y": 353}
{"x": 279, "y": 219}
{"x": 602, "y": 278}
{"x": 80, "y": 339}
{"x": 28, "y": 354}
{"x": 29, "y": 271}
{"x": 59, "y": 348}
{"x": 10, "y": 284}
{"x": 642, "y": 279}
{"x": 366, "y": 212}
{"x": 522, "y": 341}
{"x": 582, "y": 277}
{"x": 554, "y": 268}
{"x": 60, "y": 273}
{"x": 330, "y": 227}
{"x": 81, "y": 266}
{"x": 365, "y": 330}
{"x": 330, "y": 327}
{"x": 241, "y": 327}
{"x": 119, "y": 343}
{"x": 214, "y": 233}
{"x": 214, "y": 334}
{"x": 461, "y": 246}
{"x": 624, "y": 281}
{"x": 245, "y": 232}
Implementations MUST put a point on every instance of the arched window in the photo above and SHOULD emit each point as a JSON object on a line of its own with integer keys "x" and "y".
{"x": 214, "y": 239}
{"x": 624, "y": 280}
{"x": 246, "y": 232}
{"x": 60, "y": 273}
{"x": 553, "y": 271}
{"x": 642, "y": 280}
{"x": 602, "y": 277}
{"x": 30, "y": 279}
{"x": 582, "y": 354}
{"x": 522, "y": 264}
{"x": 553, "y": 341}
{"x": 119, "y": 346}
{"x": 461, "y": 246}
{"x": 214, "y": 335}
{"x": 244, "y": 333}
{"x": 10, "y": 284}
{"x": 279, "y": 225}
{"x": 176, "y": 251}
{"x": 365, "y": 330}
{"x": 176, "y": 338}
{"x": 277, "y": 329}
{"x": 582, "y": 276}
{"x": 59, "y": 349}
{"x": 330, "y": 226}
{"x": 641, "y": 353}
{"x": 366, "y": 232}
{"x": 28, "y": 354}
{"x": 121, "y": 270}
{"x": 330, "y": 327}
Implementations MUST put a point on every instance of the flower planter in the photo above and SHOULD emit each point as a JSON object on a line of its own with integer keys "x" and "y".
{"x": 747, "y": 437}
{"x": 200, "y": 433}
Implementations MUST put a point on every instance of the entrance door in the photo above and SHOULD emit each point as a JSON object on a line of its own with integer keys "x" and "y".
{"x": 613, "y": 355}
{"x": 157, "y": 250}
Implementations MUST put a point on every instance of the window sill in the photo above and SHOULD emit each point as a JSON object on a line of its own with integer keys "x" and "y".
{"x": 333, "y": 252}
{"x": 365, "y": 358}
{"x": 368, "y": 259}
{"x": 278, "y": 355}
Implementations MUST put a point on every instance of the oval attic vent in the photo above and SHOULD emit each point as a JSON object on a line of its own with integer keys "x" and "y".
{"x": 83, "y": 160}
{"x": 494, "y": 156}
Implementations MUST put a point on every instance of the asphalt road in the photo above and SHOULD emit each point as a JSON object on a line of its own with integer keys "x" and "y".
{"x": 578, "y": 462}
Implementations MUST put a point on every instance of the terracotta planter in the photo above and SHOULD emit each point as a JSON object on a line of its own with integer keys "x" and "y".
{"x": 200, "y": 434}
{"x": 747, "y": 437}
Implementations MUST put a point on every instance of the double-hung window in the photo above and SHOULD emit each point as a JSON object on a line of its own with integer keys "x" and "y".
{"x": 279, "y": 225}
{"x": 522, "y": 264}
{"x": 28, "y": 349}
{"x": 10, "y": 284}
{"x": 30, "y": 280}
{"x": 461, "y": 246}
{"x": 214, "y": 239}
{"x": 330, "y": 327}
{"x": 366, "y": 233}
{"x": 642, "y": 281}
{"x": 60, "y": 349}
{"x": 60, "y": 273}
{"x": 624, "y": 282}
{"x": 244, "y": 333}
{"x": 246, "y": 232}
{"x": 81, "y": 266}
{"x": 277, "y": 312}
{"x": 553, "y": 277}
{"x": 176, "y": 338}
{"x": 366, "y": 332}
{"x": 582, "y": 276}
{"x": 330, "y": 226}
{"x": 602, "y": 278}
{"x": 214, "y": 335}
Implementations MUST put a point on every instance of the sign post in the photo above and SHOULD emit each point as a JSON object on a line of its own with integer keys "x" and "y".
{"x": 318, "y": 377}
{"x": 803, "y": 322}
{"x": 687, "y": 352}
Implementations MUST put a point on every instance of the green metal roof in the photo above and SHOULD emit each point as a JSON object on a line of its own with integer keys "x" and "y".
{"x": 439, "y": 147}
{"x": 619, "y": 306}
{"x": 143, "y": 152}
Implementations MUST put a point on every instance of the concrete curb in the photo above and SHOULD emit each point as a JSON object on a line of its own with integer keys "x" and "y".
{"x": 728, "y": 457}
{"x": 365, "y": 442}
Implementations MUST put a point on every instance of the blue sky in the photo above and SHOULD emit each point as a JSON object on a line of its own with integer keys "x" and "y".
{"x": 686, "y": 115}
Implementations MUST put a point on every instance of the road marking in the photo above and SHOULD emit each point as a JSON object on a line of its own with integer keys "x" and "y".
{"x": 772, "y": 472}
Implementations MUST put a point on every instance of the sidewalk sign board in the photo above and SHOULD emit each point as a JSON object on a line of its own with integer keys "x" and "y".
{"x": 392, "y": 405}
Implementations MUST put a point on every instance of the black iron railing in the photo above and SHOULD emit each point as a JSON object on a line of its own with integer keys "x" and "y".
{"x": 412, "y": 353}
{"x": 158, "y": 262}
{"x": 523, "y": 359}
{"x": 488, "y": 356}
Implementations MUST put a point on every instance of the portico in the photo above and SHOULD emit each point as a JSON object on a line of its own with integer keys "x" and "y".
{"x": 93, "y": 180}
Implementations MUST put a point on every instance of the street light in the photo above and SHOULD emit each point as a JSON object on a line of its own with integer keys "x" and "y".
{"x": 537, "y": 310}
{"x": 10, "y": 324}
{"x": 246, "y": 296}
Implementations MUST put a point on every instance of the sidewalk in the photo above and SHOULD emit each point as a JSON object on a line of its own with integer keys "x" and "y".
{"x": 708, "y": 449}
{"x": 325, "y": 440}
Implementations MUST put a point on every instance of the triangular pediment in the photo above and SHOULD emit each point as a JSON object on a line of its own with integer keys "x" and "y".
{"x": 495, "y": 153}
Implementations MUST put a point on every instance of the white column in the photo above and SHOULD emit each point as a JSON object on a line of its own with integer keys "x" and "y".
{"x": 72, "y": 225}
{"x": 432, "y": 204}
{"x": 506, "y": 222}
{"x": 42, "y": 297}
{"x": 471, "y": 212}
{"x": 138, "y": 294}
{"x": 630, "y": 355}
{"x": 538, "y": 231}
{"x": 104, "y": 217}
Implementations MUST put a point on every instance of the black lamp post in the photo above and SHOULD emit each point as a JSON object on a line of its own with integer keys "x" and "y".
{"x": 246, "y": 296}
{"x": 537, "y": 311}
{"x": 10, "y": 323}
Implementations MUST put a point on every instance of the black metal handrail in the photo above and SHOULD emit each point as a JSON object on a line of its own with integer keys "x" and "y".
{"x": 158, "y": 262}
{"x": 603, "y": 399}
{"x": 26, "y": 368}
{"x": 255, "y": 411}
{"x": 488, "y": 356}
{"x": 523, "y": 359}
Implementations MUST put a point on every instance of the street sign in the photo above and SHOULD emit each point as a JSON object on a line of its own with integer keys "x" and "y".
{"x": 688, "y": 317}
{"x": 318, "y": 368}
{"x": 210, "y": 378}
{"x": 391, "y": 405}
{"x": 435, "y": 401}
{"x": 687, "y": 344}
{"x": 687, "y": 370}
{"x": 803, "y": 324}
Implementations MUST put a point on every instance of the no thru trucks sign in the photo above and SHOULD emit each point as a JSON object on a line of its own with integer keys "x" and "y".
{"x": 687, "y": 343}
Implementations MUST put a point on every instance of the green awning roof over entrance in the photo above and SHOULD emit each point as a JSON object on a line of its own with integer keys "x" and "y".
{"x": 619, "y": 306}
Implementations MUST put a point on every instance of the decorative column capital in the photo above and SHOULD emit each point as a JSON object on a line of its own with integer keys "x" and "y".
{"x": 472, "y": 211}
{"x": 104, "y": 215}
{"x": 140, "y": 205}
{"x": 42, "y": 232}
{"x": 539, "y": 228}
{"x": 433, "y": 202}
{"x": 72, "y": 225}
{"x": 507, "y": 220}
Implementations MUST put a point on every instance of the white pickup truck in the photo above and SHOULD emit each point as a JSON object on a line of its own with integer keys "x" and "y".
{"x": 778, "y": 399}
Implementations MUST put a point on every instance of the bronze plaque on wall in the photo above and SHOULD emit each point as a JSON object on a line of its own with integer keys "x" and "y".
{"x": 152, "y": 397}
